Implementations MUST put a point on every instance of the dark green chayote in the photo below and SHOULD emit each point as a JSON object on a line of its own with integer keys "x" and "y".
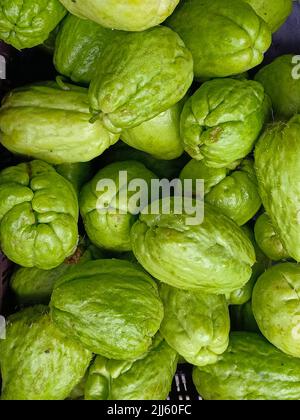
{"x": 242, "y": 318}
{"x": 76, "y": 173}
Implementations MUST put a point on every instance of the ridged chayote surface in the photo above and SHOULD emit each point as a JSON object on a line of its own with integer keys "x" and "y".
{"x": 274, "y": 12}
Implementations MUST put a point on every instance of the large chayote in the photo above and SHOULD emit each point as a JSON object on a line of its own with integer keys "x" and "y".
{"x": 215, "y": 256}
{"x": 52, "y": 122}
{"x": 38, "y": 215}
{"x": 251, "y": 369}
{"x": 276, "y": 307}
{"x": 111, "y": 306}
{"x": 27, "y": 23}
{"x": 195, "y": 324}
{"x": 222, "y": 120}
{"x": 127, "y": 15}
{"x": 37, "y": 361}
{"x": 139, "y": 76}
{"x": 277, "y": 162}
{"x": 108, "y": 215}
{"x": 226, "y": 37}
{"x": 148, "y": 378}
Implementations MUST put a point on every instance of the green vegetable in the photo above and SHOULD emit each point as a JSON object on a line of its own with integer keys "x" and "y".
{"x": 77, "y": 173}
{"x": 242, "y": 318}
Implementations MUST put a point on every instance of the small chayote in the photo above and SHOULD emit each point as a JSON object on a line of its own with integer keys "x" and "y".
{"x": 277, "y": 164}
{"x": 276, "y": 307}
{"x": 126, "y": 15}
{"x": 108, "y": 215}
{"x": 195, "y": 324}
{"x": 147, "y": 378}
{"x": 222, "y": 120}
{"x": 27, "y": 23}
{"x": 76, "y": 173}
{"x": 37, "y": 361}
{"x": 111, "y": 306}
{"x": 226, "y": 37}
{"x": 50, "y": 121}
{"x": 242, "y": 318}
{"x": 139, "y": 76}
{"x": 38, "y": 215}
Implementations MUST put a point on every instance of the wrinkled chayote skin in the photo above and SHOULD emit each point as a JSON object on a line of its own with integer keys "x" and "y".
{"x": 126, "y": 15}
{"x": 111, "y": 306}
{"x": 76, "y": 173}
{"x": 215, "y": 256}
{"x": 281, "y": 82}
{"x": 277, "y": 157}
{"x": 226, "y": 37}
{"x": 242, "y": 318}
{"x": 273, "y": 12}
{"x": 251, "y": 369}
{"x": 128, "y": 89}
{"x": 222, "y": 120}
{"x": 268, "y": 239}
{"x": 38, "y": 215}
{"x": 37, "y": 361}
{"x": 108, "y": 215}
{"x": 276, "y": 307}
{"x": 160, "y": 136}
{"x": 78, "y": 47}
{"x": 52, "y": 122}
{"x": 195, "y": 324}
{"x": 27, "y": 23}
{"x": 148, "y": 378}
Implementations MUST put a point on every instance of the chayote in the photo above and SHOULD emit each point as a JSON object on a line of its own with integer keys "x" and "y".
{"x": 226, "y": 37}
{"x": 277, "y": 162}
{"x": 276, "y": 307}
{"x": 37, "y": 361}
{"x": 242, "y": 318}
{"x": 148, "y": 378}
{"x": 111, "y": 306}
{"x": 108, "y": 215}
{"x": 222, "y": 120}
{"x": 251, "y": 369}
{"x": 128, "y": 88}
{"x": 126, "y": 15}
{"x": 281, "y": 81}
{"x": 195, "y": 324}
{"x": 38, "y": 215}
{"x": 77, "y": 173}
{"x": 27, "y": 23}
{"x": 215, "y": 256}
{"x": 52, "y": 122}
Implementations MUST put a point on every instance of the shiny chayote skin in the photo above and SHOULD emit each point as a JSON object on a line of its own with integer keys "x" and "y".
{"x": 78, "y": 47}
{"x": 281, "y": 82}
{"x": 128, "y": 89}
{"x": 222, "y": 120}
{"x": 268, "y": 239}
{"x": 76, "y": 173}
{"x": 52, "y": 122}
{"x": 242, "y": 318}
{"x": 111, "y": 306}
{"x": 160, "y": 136}
{"x": 108, "y": 215}
{"x": 126, "y": 15}
{"x": 251, "y": 369}
{"x": 27, "y": 23}
{"x": 148, "y": 378}
{"x": 277, "y": 157}
{"x": 226, "y": 37}
{"x": 195, "y": 324}
{"x": 37, "y": 361}
{"x": 276, "y": 307}
{"x": 215, "y": 256}
{"x": 38, "y": 215}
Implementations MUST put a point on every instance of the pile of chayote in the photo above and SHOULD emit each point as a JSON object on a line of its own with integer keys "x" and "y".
{"x": 107, "y": 295}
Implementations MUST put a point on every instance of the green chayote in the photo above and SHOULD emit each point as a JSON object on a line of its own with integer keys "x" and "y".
{"x": 148, "y": 378}
{"x": 111, "y": 306}
{"x": 195, "y": 324}
{"x": 27, "y": 23}
{"x": 37, "y": 361}
{"x": 242, "y": 318}
{"x": 129, "y": 89}
{"x": 126, "y": 15}
{"x": 226, "y": 37}
{"x": 52, "y": 122}
{"x": 222, "y": 120}
{"x": 38, "y": 215}
{"x": 76, "y": 173}
{"x": 251, "y": 369}
{"x": 273, "y": 12}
